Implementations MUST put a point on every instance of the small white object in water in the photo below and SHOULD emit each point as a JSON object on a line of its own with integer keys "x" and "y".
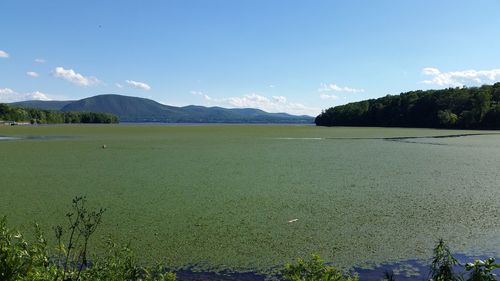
{"x": 294, "y": 220}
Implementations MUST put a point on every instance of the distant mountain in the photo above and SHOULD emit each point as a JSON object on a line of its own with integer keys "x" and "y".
{"x": 134, "y": 109}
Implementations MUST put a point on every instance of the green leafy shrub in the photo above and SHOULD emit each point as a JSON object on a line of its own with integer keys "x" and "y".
{"x": 481, "y": 270}
{"x": 82, "y": 224}
{"x": 314, "y": 269}
{"x": 121, "y": 263}
{"x": 443, "y": 263}
{"x": 22, "y": 260}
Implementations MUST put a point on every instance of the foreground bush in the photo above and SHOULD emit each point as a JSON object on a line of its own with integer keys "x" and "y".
{"x": 481, "y": 270}
{"x": 120, "y": 263}
{"x": 442, "y": 268}
{"x": 23, "y": 260}
{"x": 443, "y": 263}
{"x": 314, "y": 269}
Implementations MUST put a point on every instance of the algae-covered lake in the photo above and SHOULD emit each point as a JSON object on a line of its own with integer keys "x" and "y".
{"x": 222, "y": 196}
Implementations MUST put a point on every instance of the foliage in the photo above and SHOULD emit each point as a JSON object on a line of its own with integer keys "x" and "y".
{"x": 120, "y": 263}
{"x": 447, "y": 118}
{"x": 24, "y": 260}
{"x": 82, "y": 224}
{"x": 466, "y": 108}
{"x": 443, "y": 263}
{"x": 21, "y": 260}
{"x": 482, "y": 270}
{"x": 314, "y": 269}
{"x": 40, "y": 116}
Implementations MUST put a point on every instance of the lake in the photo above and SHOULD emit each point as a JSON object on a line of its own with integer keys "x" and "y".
{"x": 250, "y": 198}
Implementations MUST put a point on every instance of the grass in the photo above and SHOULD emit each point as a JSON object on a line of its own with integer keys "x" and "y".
{"x": 221, "y": 197}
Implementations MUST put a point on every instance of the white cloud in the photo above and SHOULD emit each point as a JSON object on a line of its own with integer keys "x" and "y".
{"x": 6, "y": 91}
{"x": 335, "y": 88}
{"x": 119, "y": 85}
{"x": 430, "y": 71}
{"x": 9, "y": 95}
{"x": 37, "y": 96}
{"x": 254, "y": 100}
{"x": 328, "y": 97}
{"x": 138, "y": 85}
{"x": 279, "y": 99}
{"x": 201, "y": 94}
{"x": 3, "y": 54}
{"x": 196, "y": 93}
{"x": 32, "y": 74}
{"x": 76, "y": 78}
{"x": 460, "y": 78}
{"x": 40, "y": 61}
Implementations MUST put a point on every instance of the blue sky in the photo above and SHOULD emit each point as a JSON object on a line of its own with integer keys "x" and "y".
{"x": 293, "y": 56}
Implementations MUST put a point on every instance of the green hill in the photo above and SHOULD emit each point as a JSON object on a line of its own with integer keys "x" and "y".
{"x": 134, "y": 109}
{"x": 464, "y": 108}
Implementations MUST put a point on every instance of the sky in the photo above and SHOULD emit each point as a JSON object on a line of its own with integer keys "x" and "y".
{"x": 299, "y": 57}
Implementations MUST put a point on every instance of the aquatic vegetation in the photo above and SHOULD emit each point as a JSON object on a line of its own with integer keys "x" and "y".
{"x": 221, "y": 197}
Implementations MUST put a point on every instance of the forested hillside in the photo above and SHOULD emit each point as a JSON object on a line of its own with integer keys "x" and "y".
{"x": 40, "y": 116}
{"x": 134, "y": 109}
{"x": 467, "y": 108}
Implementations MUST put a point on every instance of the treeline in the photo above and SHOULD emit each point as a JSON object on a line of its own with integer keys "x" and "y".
{"x": 40, "y": 116}
{"x": 464, "y": 108}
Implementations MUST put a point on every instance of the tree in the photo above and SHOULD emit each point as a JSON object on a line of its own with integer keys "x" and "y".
{"x": 447, "y": 118}
{"x": 39, "y": 116}
{"x": 443, "y": 263}
{"x": 450, "y": 108}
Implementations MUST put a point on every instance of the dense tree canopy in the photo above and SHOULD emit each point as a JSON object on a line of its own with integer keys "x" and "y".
{"x": 467, "y": 108}
{"x": 40, "y": 116}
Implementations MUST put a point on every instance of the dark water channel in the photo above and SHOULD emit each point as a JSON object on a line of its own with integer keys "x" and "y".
{"x": 407, "y": 270}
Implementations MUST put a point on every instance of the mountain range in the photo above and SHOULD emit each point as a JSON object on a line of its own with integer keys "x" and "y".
{"x": 135, "y": 109}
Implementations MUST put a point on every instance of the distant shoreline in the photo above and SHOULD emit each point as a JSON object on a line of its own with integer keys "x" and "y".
{"x": 214, "y": 123}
